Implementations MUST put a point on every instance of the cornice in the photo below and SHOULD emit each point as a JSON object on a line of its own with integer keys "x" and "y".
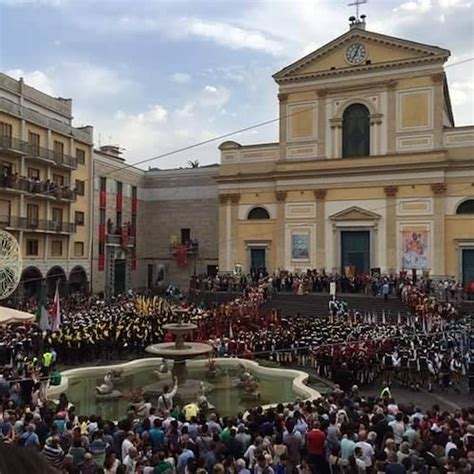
{"x": 354, "y": 70}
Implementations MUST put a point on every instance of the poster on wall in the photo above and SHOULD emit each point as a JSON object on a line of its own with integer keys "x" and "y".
{"x": 300, "y": 246}
{"x": 415, "y": 247}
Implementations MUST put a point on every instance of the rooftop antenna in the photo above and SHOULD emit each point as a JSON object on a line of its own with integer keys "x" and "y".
{"x": 357, "y": 3}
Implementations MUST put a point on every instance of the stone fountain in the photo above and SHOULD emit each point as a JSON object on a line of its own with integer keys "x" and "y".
{"x": 178, "y": 351}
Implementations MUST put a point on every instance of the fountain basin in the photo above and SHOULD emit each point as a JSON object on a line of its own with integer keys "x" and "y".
{"x": 169, "y": 350}
{"x": 276, "y": 385}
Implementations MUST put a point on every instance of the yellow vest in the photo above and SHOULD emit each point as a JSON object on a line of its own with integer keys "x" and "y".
{"x": 47, "y": 359}
{"x": 385, "y": 393}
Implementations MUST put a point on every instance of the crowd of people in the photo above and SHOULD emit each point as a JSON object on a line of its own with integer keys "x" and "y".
{"x": 342, "y": 432}
{"x": 314, "y": 281}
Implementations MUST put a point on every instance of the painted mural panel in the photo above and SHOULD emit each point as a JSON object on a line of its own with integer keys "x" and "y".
{"x": 415, "y": 242}
{"x": 300, "y": 246}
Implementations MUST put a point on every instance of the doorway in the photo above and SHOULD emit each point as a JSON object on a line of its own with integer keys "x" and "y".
{"x": 119, "y": 277}
{"x": 355, "y": 250}
{"x": 257, "y": 259}
{"x": 467, "y": 266}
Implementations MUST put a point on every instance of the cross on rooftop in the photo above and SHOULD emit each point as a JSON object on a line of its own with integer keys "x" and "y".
{"x": 357, "y": 3}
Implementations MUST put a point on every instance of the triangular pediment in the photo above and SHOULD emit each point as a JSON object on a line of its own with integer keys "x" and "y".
{"x": 382, "y": 51}
{"x": 355, "y": 213}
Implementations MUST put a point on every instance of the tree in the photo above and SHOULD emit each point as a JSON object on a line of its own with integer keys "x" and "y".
{"x": 193, "y": 164}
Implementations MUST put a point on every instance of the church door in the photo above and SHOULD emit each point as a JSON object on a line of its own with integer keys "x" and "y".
{"x": 467, "y": 266}
{"x": 257, "y": 259}
{"x": 355, "y": 250}
{"x": 119, "y": 280}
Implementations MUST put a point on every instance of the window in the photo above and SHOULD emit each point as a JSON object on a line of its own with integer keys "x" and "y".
{"x": 134, "y": 192}
{"x": 33, "y": 143}
{"x": 58, "y": 148}
{"x": 33, "y": 173}
{"x": 5, "y": 129}
{"x": 103, "y": 184}
{"x": 80, "y": 187}
{"x": 102, "y": 216}
{"x": 80, "y": 156}
{"x": 119, "y": 187}
{"x": 79, "y": 218}
{"x": 185, "y": 236}
{"x": 57, "y": 215}
{"x": 258, "y": 213}
{"x": 4, "y": 212}
{"x": 78, "y": 249}
{"x": 58, "y": 179}
{"x": 32, "y": 247}
{"x": 118, "y": 220}
{"x": 466, "y": 207}
{"x": 56, "y": 248}
{"x": 32, "y": 214}
{"x": 356, "y": 131}
{"x": 134, "y": 224}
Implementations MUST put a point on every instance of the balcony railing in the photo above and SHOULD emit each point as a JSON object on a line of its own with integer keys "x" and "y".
{"x": 25, "y": 223}
{"x": 42, "y": 188}
{"x": 192, "y": 248}
{"x": 34, "y": 151}
{"x": 12, "y": 144}
{"x": 59, "y": 159}
{"x": 116, "y": 239}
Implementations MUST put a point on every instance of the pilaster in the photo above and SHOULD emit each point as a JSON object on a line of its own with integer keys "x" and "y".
{"x": 320, "y": 196}
{"x": 392, "y": 116}
{"x": 391, "y": 228}
{"x": 322, "y": 123}
{"x": 224, "y": 223}
{"x": 283, "y": 98}
{"x": 280, "y": 196}
{"x": 438, "y": 255}
{"x": 438, "y": 105}
{"x": 233, "y": 231}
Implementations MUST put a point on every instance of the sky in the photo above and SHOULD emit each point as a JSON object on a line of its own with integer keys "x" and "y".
{"x": 153, "y": 76}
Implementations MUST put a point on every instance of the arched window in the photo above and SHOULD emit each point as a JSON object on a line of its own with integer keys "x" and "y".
{"x": 466, "y": 207}
{"x": 355, "y": 131}
{"x": 258, "y": 213}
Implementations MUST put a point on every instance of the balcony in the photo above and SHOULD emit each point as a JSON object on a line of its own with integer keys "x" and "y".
{"x": 46, "y": 189}
{"x": 57, "y": 159}
{"x": 12, "y": 146}
{"x": 192, "y": 247}
{"x": 120, "y": 235}
{"x": 36, "y": 225}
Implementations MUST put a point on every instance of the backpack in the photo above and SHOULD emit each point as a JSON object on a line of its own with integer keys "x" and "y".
{"x": 22, "y": 440}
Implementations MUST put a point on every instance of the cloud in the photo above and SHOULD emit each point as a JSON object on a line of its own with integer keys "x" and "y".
{"x": 180, "y": 78}
{"x": 419, "y": 6}
{"x": 209, "y": 97}
{"x": 37, "y": 79}
{"x": 228, "y": 35}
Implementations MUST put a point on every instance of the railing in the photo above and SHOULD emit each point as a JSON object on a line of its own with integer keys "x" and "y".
{"x": 192, "y": 248}
{"x": 10, "y": 143}
{"x": 41, "y": 188}
{"x": 60, "y": 159}
{"x": 116, "y": 239}
{"x": 25, "y": 223}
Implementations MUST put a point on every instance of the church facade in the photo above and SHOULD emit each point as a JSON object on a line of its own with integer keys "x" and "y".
{"x": 369, "y": 172}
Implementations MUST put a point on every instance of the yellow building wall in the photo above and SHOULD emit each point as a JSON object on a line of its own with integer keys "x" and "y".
{"x": 14, "y": 122}
{"x": 415, "y": 109}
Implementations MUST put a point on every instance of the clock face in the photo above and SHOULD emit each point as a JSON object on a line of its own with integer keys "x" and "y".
{"x": 356, "y": 53}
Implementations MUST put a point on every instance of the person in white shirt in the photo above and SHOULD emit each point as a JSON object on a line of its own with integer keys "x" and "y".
{"x": 398, "y": 428}
{"x": 165, "y": 400}
{"x": 130, "y": 461}
{"x": 127, "y": 444}
{"x": 368, "y": 452}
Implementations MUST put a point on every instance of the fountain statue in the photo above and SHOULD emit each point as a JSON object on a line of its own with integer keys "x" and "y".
{"x": 178, "y": 351}
{"x": 106, "y": 391}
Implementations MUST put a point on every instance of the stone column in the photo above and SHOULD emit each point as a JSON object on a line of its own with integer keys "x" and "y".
{"x": 280, "y": 230}
{"x": 391, "y": 228}
{"x": 233, "y": 233}
{"x": 283, "y": 124}
{"x": 320, "y": 196}
{"x": 391, "y": 116}
{"x": 224, "y": 223}
{"x": 322, "y": 123}
{"x": 438, "y": 253}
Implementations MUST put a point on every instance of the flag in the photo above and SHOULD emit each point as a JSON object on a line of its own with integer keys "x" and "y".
{"x": 231, "y": 332}
{"x": 56, "y": 311}
{"x": 42, "y": 315}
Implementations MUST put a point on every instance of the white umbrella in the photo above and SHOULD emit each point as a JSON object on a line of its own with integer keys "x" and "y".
{"x": 10, "y": 315}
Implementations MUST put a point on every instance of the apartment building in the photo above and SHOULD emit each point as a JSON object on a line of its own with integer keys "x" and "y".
{"x": 45, "y": 187}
